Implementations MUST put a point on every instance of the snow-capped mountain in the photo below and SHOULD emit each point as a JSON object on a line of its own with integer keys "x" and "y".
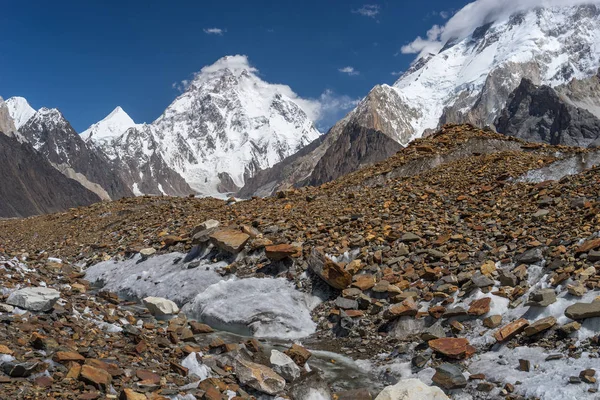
{"x": 466, "y": 78}
{"x": 108, "y": 129}
{"x": 19, "y": 110}
{"x": 7, "y": 126}
{"x": 49, "y": 133}
{"x": 225, "y": 127}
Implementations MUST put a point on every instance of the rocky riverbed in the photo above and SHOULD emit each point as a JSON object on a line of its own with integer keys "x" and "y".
{"x": 465, "y": 267}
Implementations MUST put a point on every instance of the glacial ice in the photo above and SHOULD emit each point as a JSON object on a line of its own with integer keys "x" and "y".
{"x": 268, "y": 308}
{"x": 559, "y": 169}
{"x": 158, "y": 276}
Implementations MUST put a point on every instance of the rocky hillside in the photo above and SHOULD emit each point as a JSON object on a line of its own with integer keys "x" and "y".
{"x": 456, "y": 262}
{"x": 53, "y": 137}
{"x": 31, "y": 186}
{"x": 469, "y": 78}
{"x": 539, "y": 114}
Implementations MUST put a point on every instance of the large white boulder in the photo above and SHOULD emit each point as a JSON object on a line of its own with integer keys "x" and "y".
{"x": 39, "y": 299}
{"x": 160, "y": 307}
{"x": 284, "y": 365}
{"x": 411, "y": 389}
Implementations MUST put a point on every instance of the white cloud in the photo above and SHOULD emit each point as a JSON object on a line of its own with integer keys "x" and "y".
{"x": 349, "y": 70}
{"x": 474, "y": 15}
{"x": 445, "y": 14}
{"x": 215, "y": 31}
{"x": 181, "y": 86}
{"x": 332, "y": 107}
{"x": 368, "y": 10}
{"x": 397, "y": 73}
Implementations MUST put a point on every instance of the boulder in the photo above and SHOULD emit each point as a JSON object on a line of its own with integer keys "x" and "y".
{"x": 299, "y": 354}
{"x": 511, "y": 330}
{"x": 279, "y": 252}
{"x": 284, "y": 366}
{"x": 530, "y": 256}
{"x": 411, "y": 389}
{"x": 542, "y": 298}
{"x": 540, "y": 326}
{"x": 147, "y": 252}
{"x": 449, "y": 376}
{"x": 480, "y": 307}
{"x": 96, "y": 377}
{"x": 583, "y": 310}
{"x": 160, "y": 307}
{"x": 328, "y": 270}
{"x": 229, "y": 240}
{"x": 258, "y": 376}
{"x": 310, "y": 387}
{"x": 38, "y": 299}
{"x": 456, "y": 348}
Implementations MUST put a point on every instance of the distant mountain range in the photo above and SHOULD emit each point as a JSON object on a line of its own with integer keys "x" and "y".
{"x": 533, "y": 74}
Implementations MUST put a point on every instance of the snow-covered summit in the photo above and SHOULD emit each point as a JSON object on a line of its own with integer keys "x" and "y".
{"x": 469, "y": 77}
{"x": 19, "y": 110}
{"x": 227, "y": 125}
{"x": 112, "y": 126}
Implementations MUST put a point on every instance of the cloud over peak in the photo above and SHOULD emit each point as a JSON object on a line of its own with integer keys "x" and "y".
{"x": 476, "y": 14}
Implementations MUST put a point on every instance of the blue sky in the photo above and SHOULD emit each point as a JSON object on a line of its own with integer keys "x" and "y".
{"x": 87, "y": 57}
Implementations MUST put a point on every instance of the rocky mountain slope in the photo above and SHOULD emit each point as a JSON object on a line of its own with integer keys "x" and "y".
{"x": 7, "y": 126}
{"x": 539, "y": 113}
{"x": 455, "y": 262}
{"x": 469, "y": 79}
{"x": 222, "y": 130}
{"x": 52, "y": 135}
{"x": 30, "y": 185}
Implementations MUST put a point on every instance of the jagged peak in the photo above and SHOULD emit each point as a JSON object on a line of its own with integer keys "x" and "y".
{"x": 20, "y": 110}
{"x": 113, "y": 125}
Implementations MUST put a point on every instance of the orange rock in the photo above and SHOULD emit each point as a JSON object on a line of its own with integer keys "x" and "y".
{"x": 456, "y": 348}
{"x": 511, "y": 330}
{"x": 280, "y": 251}
{"x": 328, "y": 270}
{"x": 229, "y": 240}
{"x": 95, "y": 377}
{"x": 130, "y": 394}
{"x": 407, "y": 308}
{"x": 364, "y": 282}
{"x": 67, "y": 356}
{"x": 5, "y": 350}
{"x": 480, "y": 307}
{"x": 587, "y": 246}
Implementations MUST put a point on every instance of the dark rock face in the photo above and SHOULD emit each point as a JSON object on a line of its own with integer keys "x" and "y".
{"x": 356, "y": 147}
{"x": 30, "y": 185}
{"x": 52, "y": 135}
{"x": 537, "y": 113}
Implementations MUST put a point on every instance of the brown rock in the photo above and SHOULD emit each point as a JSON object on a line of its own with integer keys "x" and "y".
{"x": 299, "y": 354}
{"x": 364, "y": 282}
{"x": 280, "y": 251}
{"x": 540, "y": 326}
{"x": 67, "y": 356}
{"x": 407, "y": 308}
{"x": 130, "y": 394}
{"x": 456, "y": 348}
{"x": 230, "y": 240}
{"x": 511, "y": 330}
{"x": 98, "y": 378}
{"x": 74, "y": 371}
{"x": 198, "y": 328}
{"x": 328, "y": 270}
{"x": 480, "y": 307}
{"x": 587, "y": 246}
{"x": 493, "y": 321}
{"x": 148, "y": 377}
{"x": 44, "y": 381}
{"x": 5, "y": 350}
